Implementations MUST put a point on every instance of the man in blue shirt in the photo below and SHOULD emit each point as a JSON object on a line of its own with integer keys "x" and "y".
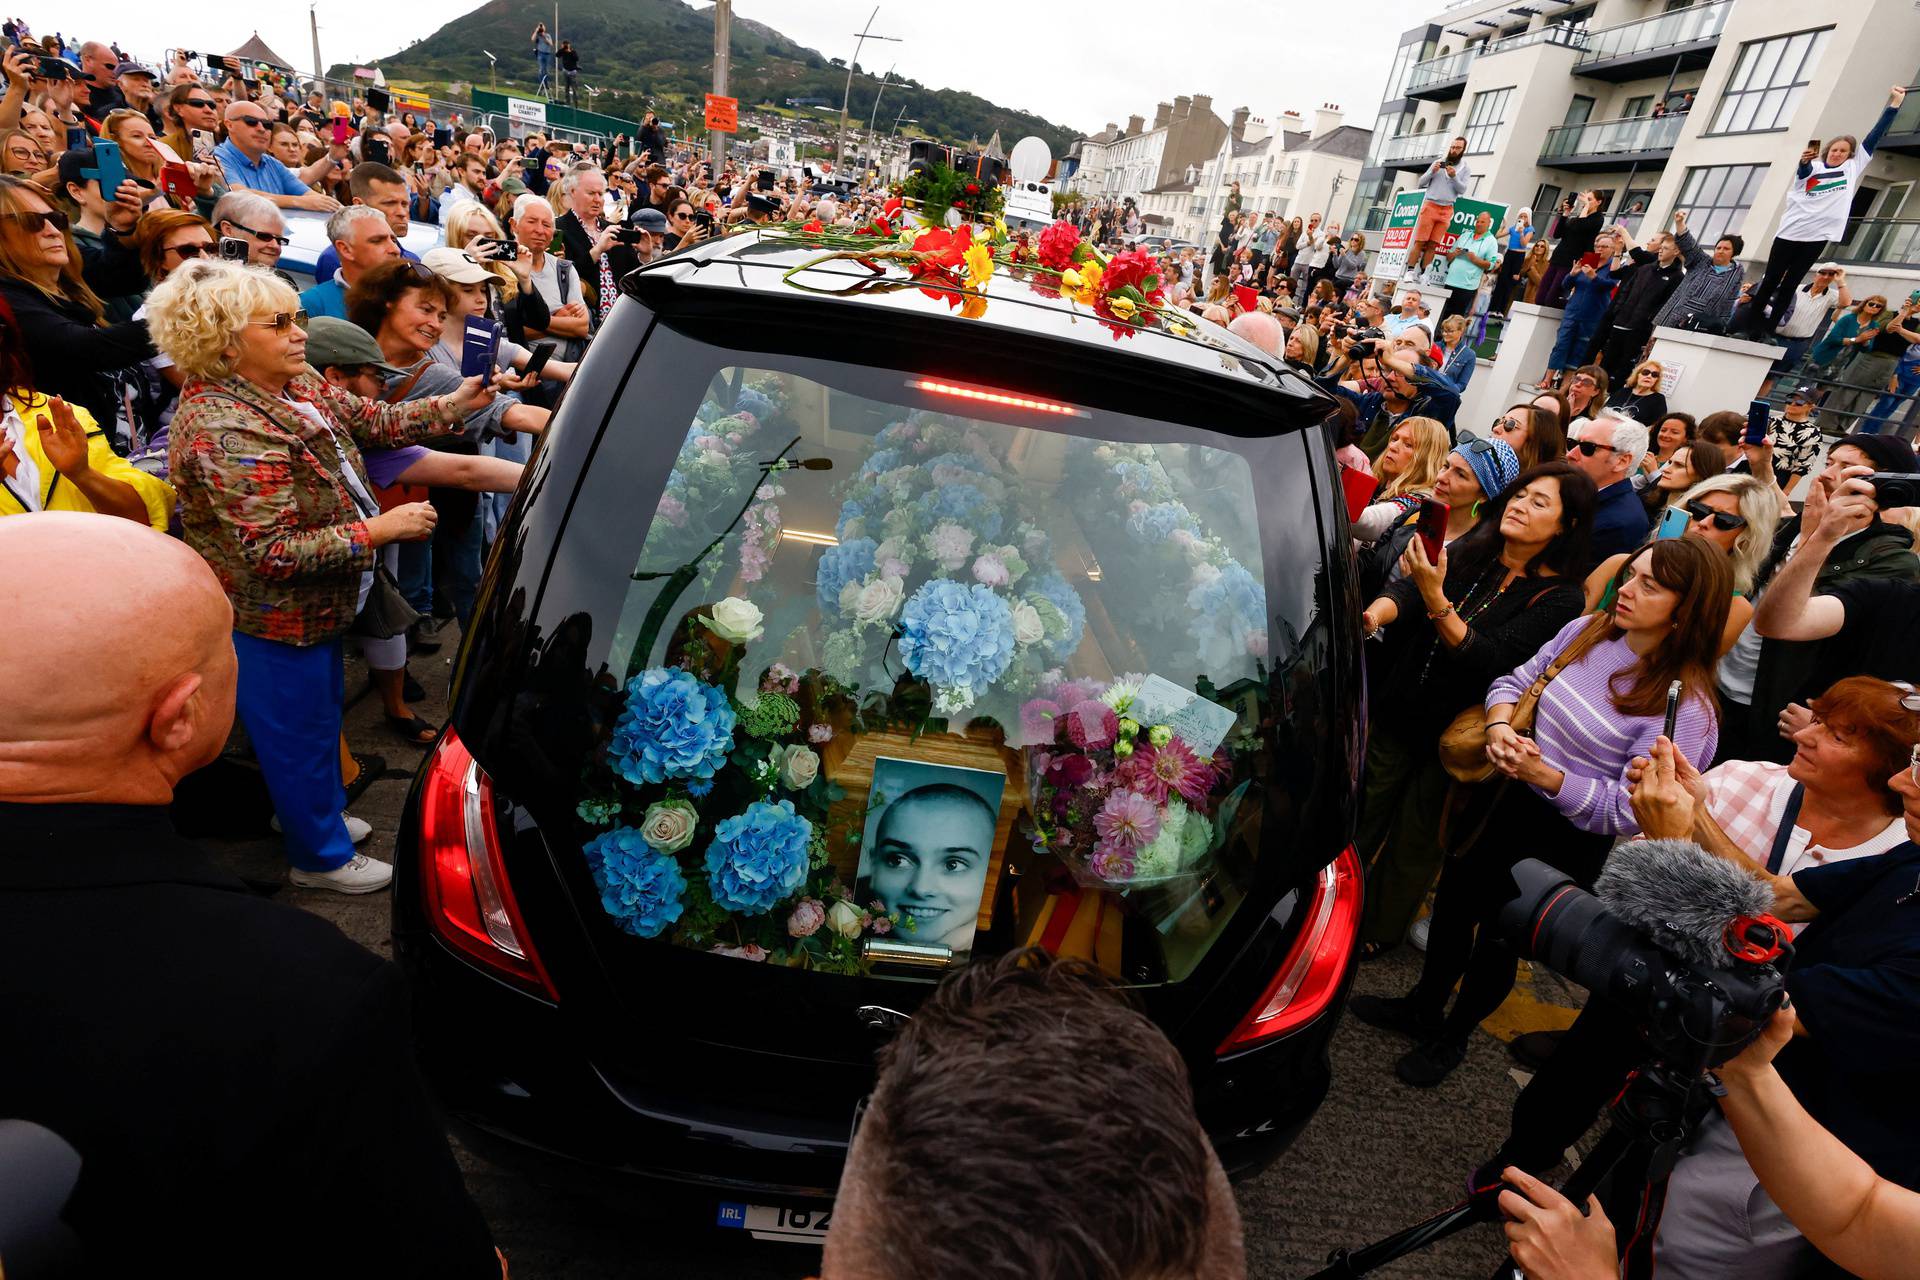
{"x": 1467, "y": 264}
{"x": 363, "y": 240}
{"x": 1609, "y": 450}
{"x": 378, "y": 187}
{"x": 244, "y": 159}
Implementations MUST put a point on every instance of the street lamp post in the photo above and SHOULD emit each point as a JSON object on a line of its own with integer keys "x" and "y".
{"x": 840, "y": 142}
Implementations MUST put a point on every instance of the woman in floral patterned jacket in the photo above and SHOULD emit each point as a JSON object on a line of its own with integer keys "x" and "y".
{"x": 266, "y": 460}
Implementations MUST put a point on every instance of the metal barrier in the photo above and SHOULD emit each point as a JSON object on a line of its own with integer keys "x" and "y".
{"x": 1844, "y": 406}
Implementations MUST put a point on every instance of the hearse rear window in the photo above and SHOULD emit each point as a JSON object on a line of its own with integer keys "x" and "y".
{"x": 908, "y": 668}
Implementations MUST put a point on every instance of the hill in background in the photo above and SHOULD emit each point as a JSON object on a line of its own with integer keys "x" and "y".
{"x": 659, "y": 53}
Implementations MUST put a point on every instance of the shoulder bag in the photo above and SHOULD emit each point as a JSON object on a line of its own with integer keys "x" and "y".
{"x": 1463, "y": 743}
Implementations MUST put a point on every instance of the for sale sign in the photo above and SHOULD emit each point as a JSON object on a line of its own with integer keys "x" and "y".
{"x": 1397, "y": 236}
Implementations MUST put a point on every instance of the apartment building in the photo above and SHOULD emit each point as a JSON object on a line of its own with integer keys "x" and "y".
{"x": 1288, "y": 166}
{"x": 1703, "y": 105}
{"x": 1116, "y": 163}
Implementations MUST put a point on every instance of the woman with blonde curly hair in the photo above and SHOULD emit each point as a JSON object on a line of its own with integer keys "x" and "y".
{"x": 274, "y": 495}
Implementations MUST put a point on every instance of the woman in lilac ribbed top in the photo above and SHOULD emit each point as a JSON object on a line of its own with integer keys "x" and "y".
{"x": 1564, "y": 799}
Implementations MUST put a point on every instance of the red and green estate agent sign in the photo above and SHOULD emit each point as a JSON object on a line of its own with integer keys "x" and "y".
{"x": 1398, "y": 233}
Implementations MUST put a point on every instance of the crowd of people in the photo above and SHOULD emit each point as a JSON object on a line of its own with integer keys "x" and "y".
{"x": 281, "y": 471}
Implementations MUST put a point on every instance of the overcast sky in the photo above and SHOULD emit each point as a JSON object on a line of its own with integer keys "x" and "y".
{"x": 1079, "y": 65}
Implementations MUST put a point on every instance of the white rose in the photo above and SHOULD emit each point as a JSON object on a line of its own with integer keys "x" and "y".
{"x": 1027, "y": 627}
{"x": 849, "y": 593}
{"x": 844, "y": 919}
{"x": 879, "y": 599}
{"x": 736, "y": 620}
{"x": 799, "y": 768}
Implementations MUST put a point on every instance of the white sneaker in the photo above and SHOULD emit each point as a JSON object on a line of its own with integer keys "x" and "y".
{"x": 1411, "y": 275}
{"x": 360, "y": 874}
{"x": 1417, "y": 936}
{"x": 358, "y": 829}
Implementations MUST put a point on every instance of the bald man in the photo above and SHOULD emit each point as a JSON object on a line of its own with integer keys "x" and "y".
{"x": 236, "y": 1075}
{"x": 1261, "y": 329}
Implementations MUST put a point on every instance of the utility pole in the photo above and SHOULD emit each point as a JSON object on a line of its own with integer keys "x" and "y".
{"x": 840, "y": 143}
{"x": 874, "y": 118}
{"x": 313, "y": 25}
{"x": 722, "y": 52}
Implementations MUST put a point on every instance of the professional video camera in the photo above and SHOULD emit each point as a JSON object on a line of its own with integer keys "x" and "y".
{"x": 1680, "y": 941}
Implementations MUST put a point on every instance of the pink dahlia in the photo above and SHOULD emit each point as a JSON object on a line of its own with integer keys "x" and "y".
{"x": 1127, "y": 821}
{"x": 1110, "y": 863}
{"x": 1175, "y": 768}
{"x": 1039, "y": 721}
{"x": 1092, "y": 725}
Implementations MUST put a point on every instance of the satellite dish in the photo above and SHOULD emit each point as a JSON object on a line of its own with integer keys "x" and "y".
{"x": 1030, "y": 160}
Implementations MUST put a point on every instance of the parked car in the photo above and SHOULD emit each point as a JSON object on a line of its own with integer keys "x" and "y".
{"x": 799, "y": 558}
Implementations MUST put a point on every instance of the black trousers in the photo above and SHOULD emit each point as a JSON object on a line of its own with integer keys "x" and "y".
{"x": 1459, "y": 303}
{"x": 1504, "y": 284}
{"x": 1787, "y": 261}
{"x": 1463, "y": 941}
{"x": 1620, "y": 350}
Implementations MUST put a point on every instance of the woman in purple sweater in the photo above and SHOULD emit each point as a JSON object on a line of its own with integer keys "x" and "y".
{"x": 1563, "y": 798}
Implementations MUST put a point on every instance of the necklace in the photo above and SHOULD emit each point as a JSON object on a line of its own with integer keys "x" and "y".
{"x": 1477, "y": 601}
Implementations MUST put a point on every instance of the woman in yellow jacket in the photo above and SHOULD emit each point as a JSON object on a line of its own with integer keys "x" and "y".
{"x": 53, "y": 458}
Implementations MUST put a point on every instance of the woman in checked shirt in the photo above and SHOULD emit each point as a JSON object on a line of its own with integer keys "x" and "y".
{"x": 1565, "y": 798}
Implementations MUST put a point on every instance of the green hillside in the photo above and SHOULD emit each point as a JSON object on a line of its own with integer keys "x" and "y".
{"x": 660, "y": 53}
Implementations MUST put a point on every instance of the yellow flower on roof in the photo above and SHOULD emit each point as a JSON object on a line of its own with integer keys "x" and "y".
{"x": 979, "y": 260}
{"x": 1089, "y": 288}
{"x": 1121, "y": 306}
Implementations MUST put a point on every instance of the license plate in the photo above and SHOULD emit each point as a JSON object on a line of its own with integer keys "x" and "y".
{"x": 776, "y": 1222}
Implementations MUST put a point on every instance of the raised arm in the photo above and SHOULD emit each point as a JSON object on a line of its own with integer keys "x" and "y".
{"x": 1895, "y": 96}
{"x": 1788, "y": 609}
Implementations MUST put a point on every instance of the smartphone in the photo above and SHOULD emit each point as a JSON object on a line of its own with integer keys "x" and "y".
{"x": 542, "y": 352}
{"x": 479, "y": 347}
{"x": 177, "y": 181}
{"x": 764, "y": 180}
{"x": 342, "y": 130}
{"x": 1673, "y": 523}
{"x": 379, "y": 99}
{"x": 504, "y": 249}
{"x": 1813, "y": 144}
{"x": 377, "y": 149}
{"x": 233, "y": 248}
{"x": 442, "y": 135}
{"x": 530, "y": 163}
{"x": 1673, "y": 708}
{"x": 1895, "y": 489}
{"x": 1431, "y": 528}
{"x": 76, "y": 137}
{"x": 1759, "y": 414}
{"x": 112, "y": 171}
{"x": 202, "y": 144}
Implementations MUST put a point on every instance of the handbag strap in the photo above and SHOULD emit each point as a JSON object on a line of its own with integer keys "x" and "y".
{"x": 1529, "y": 702}
{"x": 1784, "y": 836}
{"x": 400, "y": 389}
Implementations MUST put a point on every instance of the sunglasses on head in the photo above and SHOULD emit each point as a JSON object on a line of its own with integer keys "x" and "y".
{"x": 282, "y": 321}
{"x": 1472, "y": 448}
{"x": 34, "y": 223}
{"x": 1591, "y": 447}
{"x": 1725, "y": 521}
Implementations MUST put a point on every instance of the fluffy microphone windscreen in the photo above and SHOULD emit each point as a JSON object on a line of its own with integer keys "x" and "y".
{"x": 1681, "y": 895}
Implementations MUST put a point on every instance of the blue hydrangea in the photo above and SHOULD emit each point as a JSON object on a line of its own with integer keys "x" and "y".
{"x": 1226, "y": 611}
{"x": 706, "y": 413}
{"x": 1157, "y": 522}
{"x": 880, "y": 461}
{"x": 1138, "y": 474}
{"x": 965, "y": 506}
{"x": 674, "y": 726}
{"x": 753, "y": 402}
{"x": 964, "y": 461}
{"x": 758, "y": 859}
{"x": 640, "y": 887}
{"x": 954, "y": 636}
{"x": 1055, "y": 590}
{"x": 851, "y": 561}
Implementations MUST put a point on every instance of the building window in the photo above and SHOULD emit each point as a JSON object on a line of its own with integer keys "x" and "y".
{"x": 1767, "y": 82}
{"x": 1717, "y": 197}
{"x": 1403, "y": 61}
{"x": 1484, "y": 118}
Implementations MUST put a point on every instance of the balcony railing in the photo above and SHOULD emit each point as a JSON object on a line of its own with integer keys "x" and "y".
{"x": 1556, "y": 33}
{"x": 1889, "y": 241}
{"x": 1452, "y": 66}
{"x": 1631, "y": 135}
{"x": 1414, "y": 147}
{"x": 1662, "y": 31}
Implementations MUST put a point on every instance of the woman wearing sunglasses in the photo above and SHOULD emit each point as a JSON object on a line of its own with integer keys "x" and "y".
{"x": 274, "y": 495}
{"x": 74, "y": 352}
{"x": 1560, "y": 793}
{"x": 1738, "y": 515}
{"x": 1533, "y": 430}
{"x": 1493, "y": 599}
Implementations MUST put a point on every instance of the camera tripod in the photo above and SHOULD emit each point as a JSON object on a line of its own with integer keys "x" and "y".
{"x": 1650, "y": 1121}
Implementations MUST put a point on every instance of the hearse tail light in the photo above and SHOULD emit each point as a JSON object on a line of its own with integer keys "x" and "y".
{"x": 463, "y": 880}
{"x": 986, "y": 395}
{"x": 1315, "y": 964}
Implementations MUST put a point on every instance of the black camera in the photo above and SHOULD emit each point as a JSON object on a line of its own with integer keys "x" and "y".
{"x": 1694, "y": 1016}
{"x": 1895, "y": 489}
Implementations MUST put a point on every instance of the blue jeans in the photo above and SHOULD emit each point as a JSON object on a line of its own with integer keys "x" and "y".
{"x": 1888, "y": 404}
{"x": 289, "y": 698}
{"x": 545, "y": 60}
{"x": 415, "y": 575}
{"x": 1570, "y": 345}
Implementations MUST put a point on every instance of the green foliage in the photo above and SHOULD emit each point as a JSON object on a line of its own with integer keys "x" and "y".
{"x": 659, "y": 54}
{"x": 938, "y": 188}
